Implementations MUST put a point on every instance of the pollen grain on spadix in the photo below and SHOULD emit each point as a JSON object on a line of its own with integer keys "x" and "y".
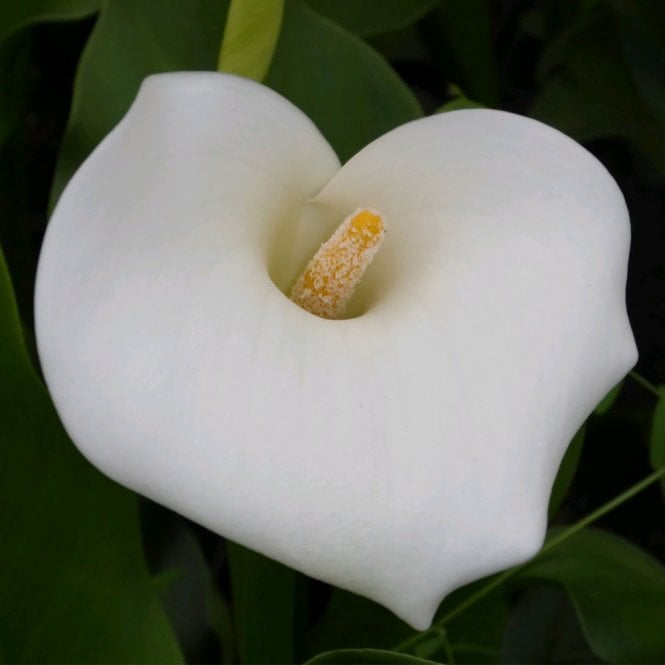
{"x": 330, "y": 278}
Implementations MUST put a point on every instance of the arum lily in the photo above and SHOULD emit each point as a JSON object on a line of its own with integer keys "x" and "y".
{"x": 399, "y": 451}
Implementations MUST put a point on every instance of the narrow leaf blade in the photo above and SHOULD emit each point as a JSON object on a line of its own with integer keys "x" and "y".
{"x": 250, "y": 37}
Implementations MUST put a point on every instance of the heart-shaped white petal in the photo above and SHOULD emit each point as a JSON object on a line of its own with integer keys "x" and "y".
{"x": 398, "y": 454}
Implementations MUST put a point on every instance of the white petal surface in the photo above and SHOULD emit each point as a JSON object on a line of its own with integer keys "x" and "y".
{"x": 398, "y": 454}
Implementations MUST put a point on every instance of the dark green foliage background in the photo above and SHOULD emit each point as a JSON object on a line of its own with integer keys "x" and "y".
{"x": 90, "y": 572}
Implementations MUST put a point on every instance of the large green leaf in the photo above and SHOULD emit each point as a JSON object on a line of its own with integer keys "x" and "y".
{"x": 475, "y": 636}
{"x": 343, "y": 85}
{"x": 36, "y": 69}
{"x": 641, "y": 32}
{"x": 459, "y": 36}
{"x": 263, "y": 607}
{"x": 595, "y": 83}
{"x": 16, "y": 15}
{"x": 73, "y": 582}
{"x": 250, "y": 37}
{"x": 132, "y": 39}
{"x": 372, "y": 17}
{"x": 198, "y": 612}
{"x": 366, "y": 657}
{"x": 618, "y": 592}
{"x": 18, "y": 168}
{"x": 544, "y": 628}
{"x": 14, "y": 64}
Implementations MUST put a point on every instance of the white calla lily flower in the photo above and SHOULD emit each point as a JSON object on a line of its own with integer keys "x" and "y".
{"x": 398, "y": 453}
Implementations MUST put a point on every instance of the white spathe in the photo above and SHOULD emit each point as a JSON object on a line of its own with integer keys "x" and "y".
{"x": 398, "y": 454}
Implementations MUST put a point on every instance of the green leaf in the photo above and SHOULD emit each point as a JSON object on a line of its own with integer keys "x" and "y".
{"x": 14, "y": 67}
{"x": 250, "y": 37}
{"x": 609, "y": 399}
{"x": 366, "y": 18}
{"x": 618, "y": 592}
{"x": 657, "y": 438}
{"x": 470, "y": 636}
{"x": 196, "y": 608}
{"x": 459, "y": 35}
{"x": 594, "y": 82}
{"x": 351, "y": 619}
{"x": 263, "y": 594}
{"x": 17, "y": 15}
{"x": 465, "y": 637}
{"x": 544, "y": 628}
{"x": 566, "y": 471}
{"x": 73, "y": 582}
{"x": 132, "y": 40}
{"x": 475, "y": 636}
{"x": 343, "y": 85}
{"x": 641, "y": 32}
{"x": 35, "y": 70}
{"x": 366, "y": 657}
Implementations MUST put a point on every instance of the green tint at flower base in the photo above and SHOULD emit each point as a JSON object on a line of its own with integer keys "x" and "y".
{"x": 398, "y": 453}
